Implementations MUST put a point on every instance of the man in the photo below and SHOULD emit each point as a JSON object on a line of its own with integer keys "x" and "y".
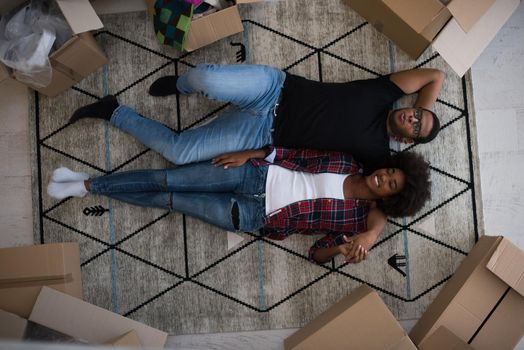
{"x": 273, "y": 107}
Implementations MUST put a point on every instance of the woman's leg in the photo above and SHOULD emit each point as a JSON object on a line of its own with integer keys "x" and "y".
{"x": 250, "y": 87}
{"x": 197, "y": 177}
{"x": 228, "y": 211}
{"x": 229, "y": 132}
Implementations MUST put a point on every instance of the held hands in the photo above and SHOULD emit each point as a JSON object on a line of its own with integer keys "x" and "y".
{"x": 355, "y": 249}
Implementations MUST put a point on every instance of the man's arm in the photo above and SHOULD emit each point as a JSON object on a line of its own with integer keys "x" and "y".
{"x": 427, "y": 82}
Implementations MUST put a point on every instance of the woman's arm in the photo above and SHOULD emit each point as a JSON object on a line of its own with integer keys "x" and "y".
{"x": 356, "y": 248}
{"x": 239, "y": 158}
{"x": 364, "y": 241}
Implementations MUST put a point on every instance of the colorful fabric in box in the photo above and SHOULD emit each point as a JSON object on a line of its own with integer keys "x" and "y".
{"x": 171, "y": 22}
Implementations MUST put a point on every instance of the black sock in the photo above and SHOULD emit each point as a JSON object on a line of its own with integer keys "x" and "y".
{"x": 164, "y": 86}
{"x": 102, "y": 109}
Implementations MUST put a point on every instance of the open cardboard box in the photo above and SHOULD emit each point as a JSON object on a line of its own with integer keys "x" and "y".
{"x": 483, "y": 302}
{"x": 79, "y": 56}
{"x": 16, "y": 328}
{"x": 213, "y": 27}
{"x": 24, "y": 270}
{"x": 458, "y": 29}
{"x": 81, "y": 320}
{"x": 360, "y": 320}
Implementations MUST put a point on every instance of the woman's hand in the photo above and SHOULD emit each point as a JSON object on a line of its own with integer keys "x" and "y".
{"x": 234, "y": 159}
{"x": 356, "y": 249}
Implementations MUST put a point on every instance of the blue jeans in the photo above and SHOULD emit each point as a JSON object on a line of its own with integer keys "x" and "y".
{"x": 200, "y": 190}
{"x": 252, "y": 89}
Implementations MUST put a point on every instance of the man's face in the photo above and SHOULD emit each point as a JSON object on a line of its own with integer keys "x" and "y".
{"x": 407, "y": 124}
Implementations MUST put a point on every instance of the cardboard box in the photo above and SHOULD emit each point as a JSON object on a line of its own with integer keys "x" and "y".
{"x": 126, "y": 340}
{"x": 79, "y": 56}
{"x": 360, "y": 320}
{"x": 24, "y": 270}
{"x": 458, "y": 29}
{"x": 213, "y": 27}
{"x": 483, "y": 302}
{"x": 81, "y": 320}
{"x": 443, "y": 338}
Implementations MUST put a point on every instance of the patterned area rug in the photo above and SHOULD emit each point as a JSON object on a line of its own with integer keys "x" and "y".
{"x": 177, "y": 273}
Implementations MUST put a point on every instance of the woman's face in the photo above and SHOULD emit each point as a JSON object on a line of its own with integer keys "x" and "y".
{"x": 386, "y": 182}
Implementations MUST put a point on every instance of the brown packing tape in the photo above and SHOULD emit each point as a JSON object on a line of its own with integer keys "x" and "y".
{"x": 35, "y": 281}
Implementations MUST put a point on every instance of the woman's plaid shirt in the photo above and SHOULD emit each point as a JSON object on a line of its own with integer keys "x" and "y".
{"x": 328, "y": 216}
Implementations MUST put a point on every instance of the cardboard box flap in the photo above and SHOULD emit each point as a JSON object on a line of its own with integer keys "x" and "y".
{"x": 507, "y": 262}
{"x": 418, "y": 14}
{"x": 126, "y": 340}
{"x": 4, "y": 73}
{"x": 468, "y": 12}
{"x": 443, "y": 338}
{"x": 79, "y": 319}
{"x": 80, "y": 15}
{"x": 460, "y": 49}
{"x": 47, "y": 262}
{"x": 12, "y": 326}
{"x": 403, "y": 344}
{"x": 210, "y": 28}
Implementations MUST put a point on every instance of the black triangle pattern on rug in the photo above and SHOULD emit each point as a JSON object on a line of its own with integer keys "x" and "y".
{"x": 177, "y": 279}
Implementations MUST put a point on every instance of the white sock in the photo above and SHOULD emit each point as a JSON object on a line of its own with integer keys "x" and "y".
{"x": 61, "y": 190}
{"x": 64, "y": 174}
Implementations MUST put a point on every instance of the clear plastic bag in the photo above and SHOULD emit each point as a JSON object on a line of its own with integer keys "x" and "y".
{"x": 27, "y": 36}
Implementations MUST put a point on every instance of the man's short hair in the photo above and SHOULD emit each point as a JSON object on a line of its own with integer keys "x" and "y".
{"x": 417, "y": 187}
{"x": 433, "y": 132}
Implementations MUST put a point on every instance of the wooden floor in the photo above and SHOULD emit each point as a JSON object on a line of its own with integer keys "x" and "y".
{"x": 498, "y": 81}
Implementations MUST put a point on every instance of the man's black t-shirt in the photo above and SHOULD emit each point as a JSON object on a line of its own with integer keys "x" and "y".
{"x": 348, "y": 117}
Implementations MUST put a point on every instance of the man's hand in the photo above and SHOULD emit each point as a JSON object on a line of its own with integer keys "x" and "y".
{"x": 427, "y": 82}
{"x": 234, "y": 159}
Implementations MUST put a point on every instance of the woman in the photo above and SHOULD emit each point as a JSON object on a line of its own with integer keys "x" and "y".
{"x": 279, "y": 192}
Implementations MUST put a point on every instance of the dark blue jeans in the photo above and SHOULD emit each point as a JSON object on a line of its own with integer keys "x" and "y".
{"x": 209, "y": 193}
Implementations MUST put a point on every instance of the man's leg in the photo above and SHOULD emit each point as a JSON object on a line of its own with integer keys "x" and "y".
{"x": 231, "y": 131}
{"x": 249, "y": 87}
